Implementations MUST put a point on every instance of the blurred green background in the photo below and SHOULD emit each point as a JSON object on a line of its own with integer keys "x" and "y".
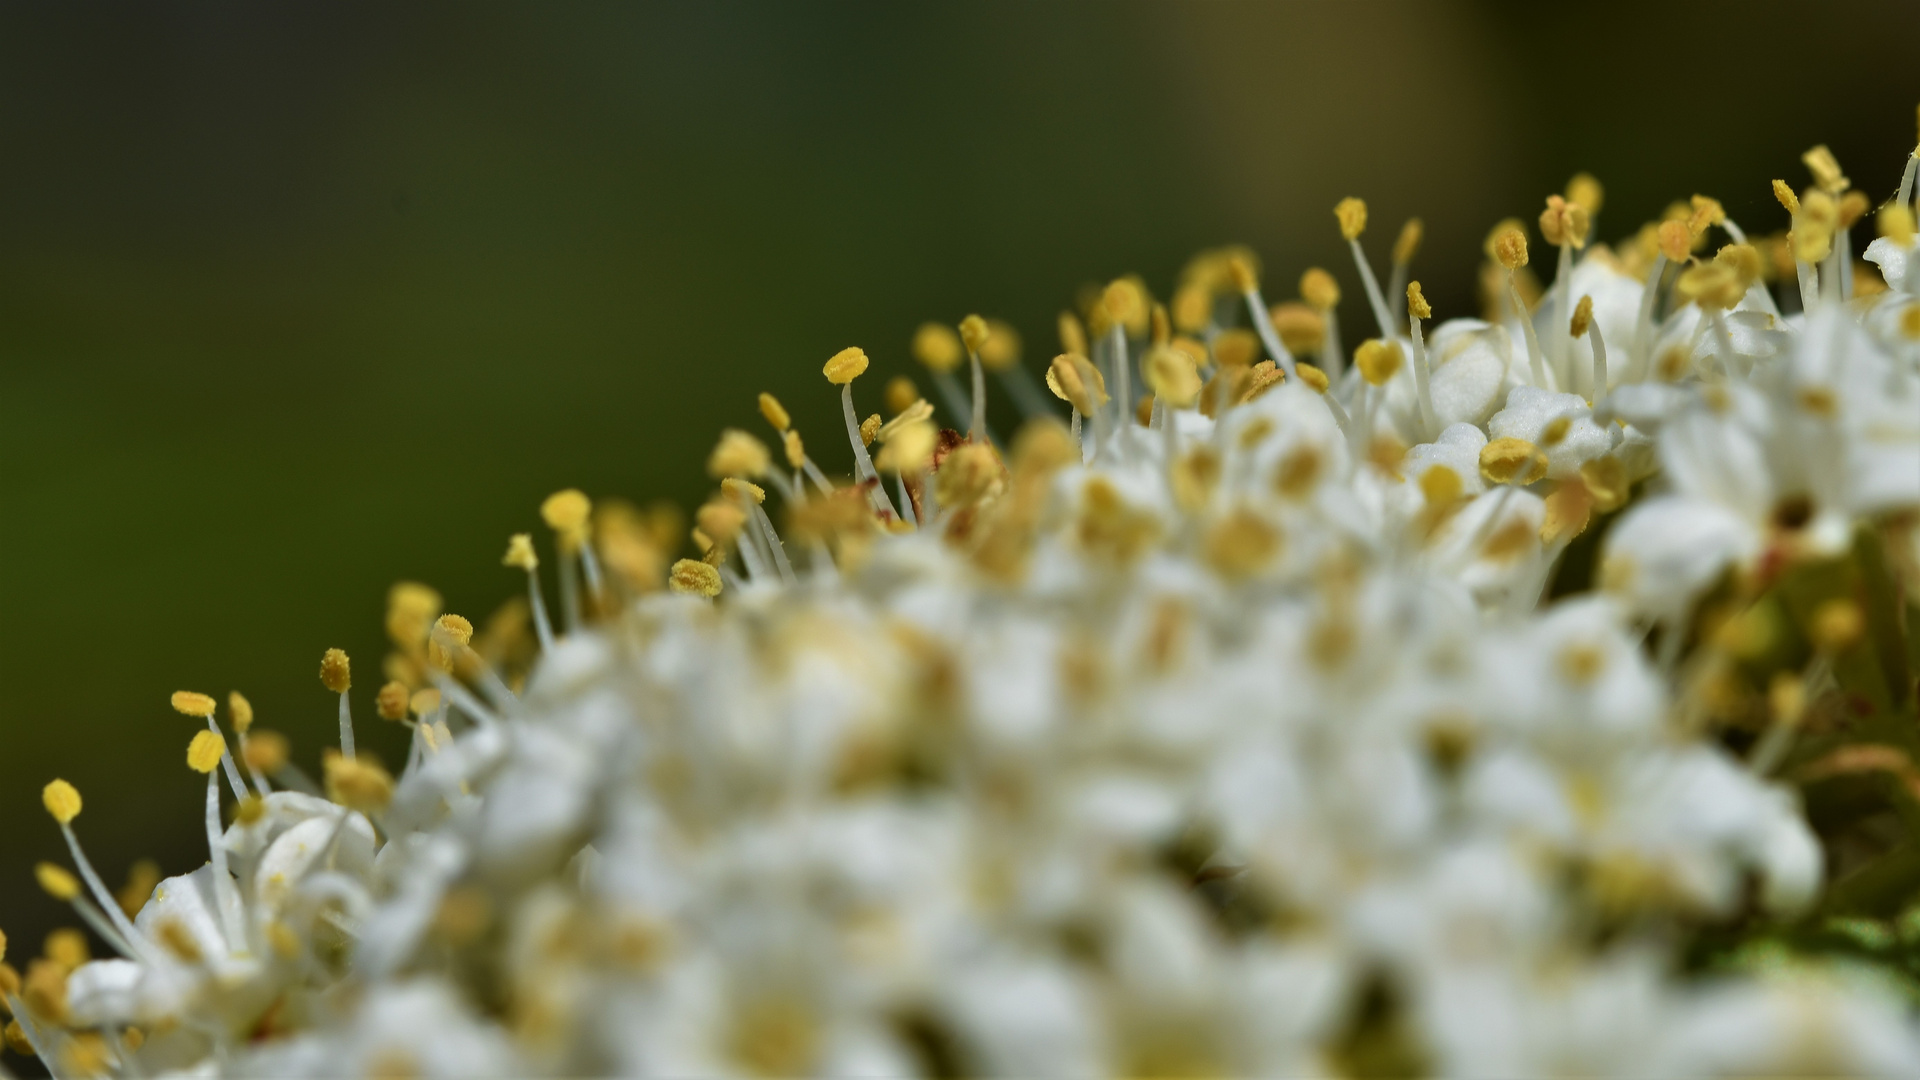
{"x": 298, "y": 300}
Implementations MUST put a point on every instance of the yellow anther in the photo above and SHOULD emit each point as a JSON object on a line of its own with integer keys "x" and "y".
{"x": 240, "y": 712}
{"x": 1417, "y": 305}
{"x": 266, "y": 752}
{"x": 61, "y": 800}
{"x": 1836, "y": 626}
{"x": 908, "y": 448}
{"x": 917, "y": 412}
{"x": 973, "y": 333}
{"x": 1077, "y": 382}
{"x": 1585, "y": 192}
{"x": 566, "y": 512}
{"x": 795, "y": 449}
{"x": 900, "y": 394}
{"x": 1510, "y": 248}
{"x": 1441, "y": 486}
{"x": 424, "y": 703}
{"x": 1236, "y": 348}
{"x": 1261, "y": 377}
{"x": 1582, "y": 317}
{"x": 1509, "y": 460}
{"x": 1895, "y": 222}
{"x": 1001, "y": 350}
{"x": 1241, "y": 272}
{"x": 357, "y": 783}
{"x": 1192, "y": 309}
{"x": 448, "y": 639}
{"x": 1301, "y": 329}
{"x": 1160, "y": 331}
{"x": 67, "y": 947}
{"x": 694, "y": 576}
{"x": 845, "y": 366}
{"x": 1171, "y": 375}
{"x": 336, "y": 674}
{"x": 1563, "y": 222}
{"x": 1378, "y": 360}
{"x": 1408, "y": 242}
{"x": 1125, "y": 302}
{"x": 1240, "y": 545}
{"x": 869, "y": 428}
{"x": 57, "y": 882}
{"x": 1352, "y": 214}
{"x": 743, "y": 491}
{"x": 1826, "y": 171}
{"x": 1675, "y": 241}
{"x": 1319, "y": 289}
{"x": 1073, "y": 336}
{"x": 775, "y": 412}
{"x": 251, "y": 811}
{"x": 192, "y": 704}
{"x": 1853, "y": 207}
{"x": 1743, "y": 260}
{"x": 1555, "y": 432}
{"x": 1313, "y": 376}
{"x": 391, "y": 701}
{"x": 1711, "y": 285}
{"x": 1706, "y": 212}
{"x": 520, "y": 554}
{"x": 1787, "y": 199}
{"x": 738, "y": 454}
{"x": 205, "y": 751}
{"x": 934, "y": 345}
{"x": 1606, "y": 480}
{"x": 721, "y": 521}
{"x": 1910, "y": 322}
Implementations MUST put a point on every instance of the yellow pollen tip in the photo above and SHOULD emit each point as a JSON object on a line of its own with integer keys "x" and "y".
{"x": 974, "y": 333}
{"x": 1073, "y": 336}
{"x": 1582, "y": 317}
{"x": 869, "y": 429}
{"x": 1853, "y": 207}
{"x": 1124, "y": 303}
{"x": 775, "y": 412}
{"x": 391, "y": 701}
{"x": 845, "y": 366}
{"x": 357, "y": 783}
{"x": 520, "y": 554}
{"x": 694, "y": 576}
{"x": 266, "y": 753}
{"x": 1706, "y": 212}
{"x": 1743, "y": 260}
{"x": 1313, "y": 376}
{"x": 566, "y": 511}
{"x": 738, "y": 454}
{"x": 1352, "y": 215}
{"x": 61, "y": 800}
{"x": 909, "y": 446}
{"x": 1510, "y": 248}
{"x": 191, "y": 704}
{"x": 240, "y": 711}
{"x": 1825, "y": 169}
{"x": 1240, "y": 271}
{"x": 1441, "y": 485}
{"x": 1417, "y": 305}
{"x": 251, "y": 810}
{"x": 1675, "y": 241}
{"x": 1319, "y": 289}
{"x": 1379, "y": 361}
{"x": 1407, "y": 244}
{"x": 335, "y": 673}
{"x": 1895, "y": 222}
{"x": 1001, "y": 349}
{"x": 900, "y": 395}
{"x": 796, "y": 450}
{"x": 455, "y": 628}
{"x": 1508, "y": 460}
{"x": 1586, "y": 192}
{"x": 424, "y": 703}
{"x": 57, "y": 882}
{"x": 742, "y": 490}
{"x": 935, "y": 346}
{"x": 205, "y": 751}
{"x": 1785, "y": 196}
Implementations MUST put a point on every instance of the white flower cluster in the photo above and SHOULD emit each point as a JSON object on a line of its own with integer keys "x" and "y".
{"x": 1235, "y": 737}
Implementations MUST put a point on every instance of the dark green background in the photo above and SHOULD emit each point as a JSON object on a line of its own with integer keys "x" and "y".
{"x": 299, "y": 300}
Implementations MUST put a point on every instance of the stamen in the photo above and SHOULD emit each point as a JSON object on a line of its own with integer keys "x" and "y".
{"x": 1583, "y": 322}
{"x": 752, "y": 497}
{"x": 1122, "y": 303}
{"x": 939, "y": 349}
{"x": 1418, "y": 309}
{"x": 973, "y": 334}
{"x": 62, "y": 801}
{"x": 189, "y": 703}
{"x": 241, "y": 710}
{"x": 520, "y": 554}
{"x": 566, "y": 513}
{"x": 1000, "y": 355}
{"x": 1322, "y": 293}
{"x": 1248, "y": 283}
{"x": 1352, "y": 214}
{"x": 695, "y": 577}
{"x": 1510, "y": 248}
{"x": 336, "y": 675}
{"x": 841, "y": 369}
{"x": 1564, "y": 225}
{"x": 204, "y": 755}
